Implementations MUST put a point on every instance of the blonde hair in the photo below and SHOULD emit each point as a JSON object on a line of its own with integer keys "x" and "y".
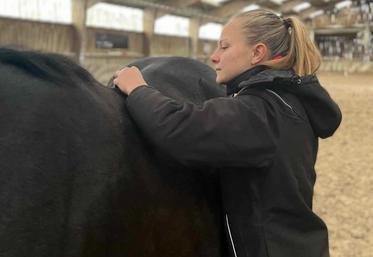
{"x": 287, "y": 38}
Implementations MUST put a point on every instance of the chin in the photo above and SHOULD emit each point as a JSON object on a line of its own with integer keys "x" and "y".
{"x": 220, "y": 80}
{"x": 224, "y": 79}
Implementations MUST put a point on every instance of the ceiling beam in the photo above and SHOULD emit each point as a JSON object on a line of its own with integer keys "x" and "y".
{"x": 230, "y": 8}
{"x": 180, "y": 3}
{"x": 267, "y": 4}
{"x": 288, "y": 6}
{"x": 306, "y": 13}
{"x": 91, "y": 3}
{"x": 219, "y": 14}
{"x": 142, "y": 4}
{"x": 176, "y": 4}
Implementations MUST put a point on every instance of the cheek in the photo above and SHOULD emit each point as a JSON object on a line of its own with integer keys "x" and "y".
{"x": 242, "y": 62}
{"x": 243, "y": 57}
{"x": 238, "y": 58}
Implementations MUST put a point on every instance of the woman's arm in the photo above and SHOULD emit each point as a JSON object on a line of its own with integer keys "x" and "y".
{"x": 223, "y": 132}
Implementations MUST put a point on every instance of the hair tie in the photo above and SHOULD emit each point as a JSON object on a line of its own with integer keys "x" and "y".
{"x": 287, "y": 23}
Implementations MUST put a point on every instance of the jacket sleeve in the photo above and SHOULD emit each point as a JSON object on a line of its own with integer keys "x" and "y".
{"x": 222, "y": 132}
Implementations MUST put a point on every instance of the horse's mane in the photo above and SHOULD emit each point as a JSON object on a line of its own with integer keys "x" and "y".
{"x": 55, "y": 68}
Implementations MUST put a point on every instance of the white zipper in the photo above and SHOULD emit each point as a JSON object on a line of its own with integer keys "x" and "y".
{"x": 236, "y": 94}
{"x": 230, "y": 235}
{"x": 279, "y": 97}
{"x": 273, "y": 92}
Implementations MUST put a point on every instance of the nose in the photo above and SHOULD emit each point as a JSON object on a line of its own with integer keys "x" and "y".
{"x": 214, "y": 57}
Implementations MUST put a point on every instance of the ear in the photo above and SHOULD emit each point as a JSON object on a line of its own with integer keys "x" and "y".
{"x": 259, "y": 53}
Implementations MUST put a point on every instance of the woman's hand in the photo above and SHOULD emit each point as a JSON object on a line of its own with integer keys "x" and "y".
{"x": 129, "y": 78}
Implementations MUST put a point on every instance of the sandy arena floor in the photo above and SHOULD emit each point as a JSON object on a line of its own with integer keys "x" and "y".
{"x": 344, "y": 188}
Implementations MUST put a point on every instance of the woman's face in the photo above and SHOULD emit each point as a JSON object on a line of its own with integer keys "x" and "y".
{"x": 233, "y": 54}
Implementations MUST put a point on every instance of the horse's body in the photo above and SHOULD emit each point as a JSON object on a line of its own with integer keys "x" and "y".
{"x": 76, "y": 177}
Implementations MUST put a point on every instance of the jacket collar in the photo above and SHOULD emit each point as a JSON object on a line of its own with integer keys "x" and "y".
{"x": 234, "y": 85}
{"x": 263, "y": 75}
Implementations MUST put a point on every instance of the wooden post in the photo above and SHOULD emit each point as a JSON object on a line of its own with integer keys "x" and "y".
{"x": 194, "y": 26}
{"x": 367, "y": 37}
{"x": 79, "y": 16}
{"x": 149, "y": 17}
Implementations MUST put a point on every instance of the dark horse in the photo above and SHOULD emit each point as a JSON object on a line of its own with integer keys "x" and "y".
{"x": 78, "y": 179}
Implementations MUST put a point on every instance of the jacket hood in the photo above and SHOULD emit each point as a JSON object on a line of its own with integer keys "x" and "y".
{"x": 323, "y": 113}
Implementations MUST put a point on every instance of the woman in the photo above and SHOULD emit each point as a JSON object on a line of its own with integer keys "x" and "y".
{"x": 264, "y": 136}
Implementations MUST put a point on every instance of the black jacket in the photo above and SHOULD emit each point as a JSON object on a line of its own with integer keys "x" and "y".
{"x": 265, "y": 137}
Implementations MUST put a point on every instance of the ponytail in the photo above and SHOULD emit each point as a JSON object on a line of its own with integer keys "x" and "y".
{"x": 302, "y": 56}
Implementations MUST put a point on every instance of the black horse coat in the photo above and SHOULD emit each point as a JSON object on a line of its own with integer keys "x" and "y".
{"x": 77, "y": 178}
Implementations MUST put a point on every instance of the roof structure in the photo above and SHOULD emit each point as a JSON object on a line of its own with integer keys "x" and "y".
{"x": 221, "y": 10}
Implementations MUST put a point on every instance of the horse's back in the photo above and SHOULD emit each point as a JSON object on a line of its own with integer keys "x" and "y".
{"x": 77, "y": 179}
{"x": 181, "y": 78}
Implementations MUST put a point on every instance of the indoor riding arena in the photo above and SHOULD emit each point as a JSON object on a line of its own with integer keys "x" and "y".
{"x": 104, "y": 36}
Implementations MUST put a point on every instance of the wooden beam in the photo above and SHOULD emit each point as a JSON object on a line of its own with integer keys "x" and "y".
{"x": 149, "y": 18}
{"x": 367, "y": 38}
{"x": 288, "y": 6}
{"x": 230, "y": 8}
{"x": 333, "y": 30}
{"x": 143, "y": 4}
{"x": 316, "y": 5}
{"x": 79, "y": 16}
{"x": 180, "y": 3}
{"x": 194, "y": 26}
{"x": 92, "y": 3}
{"x": 306, "y": 13}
